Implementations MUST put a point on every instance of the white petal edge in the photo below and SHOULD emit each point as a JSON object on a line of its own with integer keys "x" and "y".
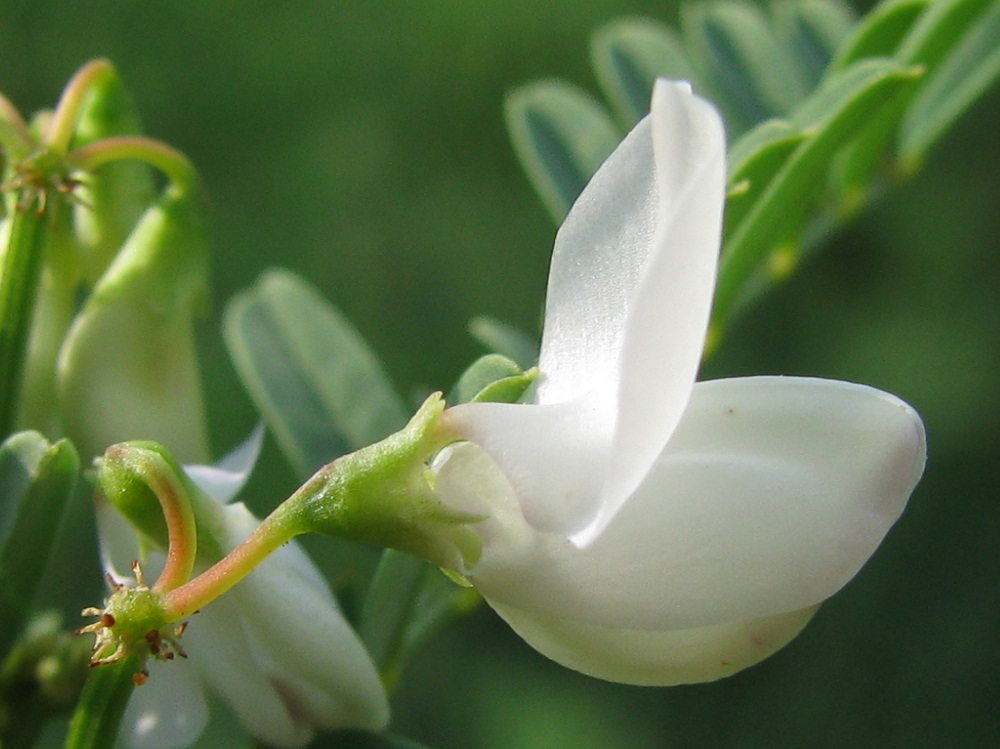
{"x": 217, "y": 645}
{"x": 772, "y": 494}
{"x": 168, "y": 711}
{"x": 224, "y": 480}
{"x": 656, "y": 658}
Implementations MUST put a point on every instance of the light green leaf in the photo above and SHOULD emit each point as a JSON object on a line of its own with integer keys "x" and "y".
{"x": 506, "y": 340}
{"x": 319, "y": 387}
{"x": 830, "y": 118}
{"x": 561, "y": 136}
{"x": 750, "y": 74}
{"x": 879, "y": 33}
{"x": 491, "y": 378}
{"x": 629, "y": 55}
{"x": 37, "y": 480}
{"x": 754, "y": 160}
{"x": 815, "y": 30}
{"x": 971, "y": 68}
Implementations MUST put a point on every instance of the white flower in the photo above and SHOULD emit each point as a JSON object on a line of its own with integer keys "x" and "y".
{"x": 643, "y": 527}
{"x": 275, "y": 647}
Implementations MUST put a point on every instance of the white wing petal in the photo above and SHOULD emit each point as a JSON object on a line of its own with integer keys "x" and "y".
{"x": 224, "y": 480}
{"x": 771, "y": 495}
{"x": 652, "y": 658}
{"x": 168, "y": 711}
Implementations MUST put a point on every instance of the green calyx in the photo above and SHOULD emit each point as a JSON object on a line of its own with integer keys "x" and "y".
{"x": 384, "y": 495}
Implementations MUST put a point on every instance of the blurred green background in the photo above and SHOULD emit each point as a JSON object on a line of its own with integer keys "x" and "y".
{"x": 362, "y": 145}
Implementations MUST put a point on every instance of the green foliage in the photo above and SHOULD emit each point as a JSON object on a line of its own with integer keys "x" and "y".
{"x": 828, "y": 109}
{"x": 561, "y": 136}
{"x": 37, "y": 481}
{"x": 318, "y": 386}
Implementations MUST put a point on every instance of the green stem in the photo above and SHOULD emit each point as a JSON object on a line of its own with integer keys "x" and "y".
{"x": 20, "y": 272}
{"x": 67, "y": 111}
{"x": 273, "y": 531}
{"x": 101, "y": 707}
{"x": 168, "y": 160}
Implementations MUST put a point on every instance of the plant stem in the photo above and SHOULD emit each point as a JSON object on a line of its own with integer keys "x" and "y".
{"x": 20, "y": 273}
{"x": 101, "y": 707}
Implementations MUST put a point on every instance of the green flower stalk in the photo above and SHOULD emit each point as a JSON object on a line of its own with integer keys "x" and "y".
{"x": 276, "y": 646}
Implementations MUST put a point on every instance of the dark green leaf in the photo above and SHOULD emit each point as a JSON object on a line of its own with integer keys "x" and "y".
{"x": 938, "y": 30}
{"x": 830, "y": 118}
{"x": 561, "y": 136}
{"x": 971, "y": 68}
{"x": 629, "y": 55}
{"x": 319, "y": 387}
{"x": 36, "y": 484}
{"x": 750, "y": 75}
{"x": 879, "y": 33}
{"x": 815, "y": 30}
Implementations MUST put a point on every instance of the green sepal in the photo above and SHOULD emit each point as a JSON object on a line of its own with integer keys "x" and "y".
{"x": 816, "y": 29}
{"x": 972, "y": 66}
{"x": 320, "y": 388}
{"x": 561, "y": 135}
{"x": 113, "y": 198}
{"x": 492, "y": 379}
{"x": 831, "y": 116}
{"x": 750, "y": 74}
{"x": 128, "y": 368}
{"x": 879, "y": 33}
{"x": 628, "y": 55}
{"x": 504, "y": 339}
{"x": 383, "y": 494}
{"x": 37, "y": 482}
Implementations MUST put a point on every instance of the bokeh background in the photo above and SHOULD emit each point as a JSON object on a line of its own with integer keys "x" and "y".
{"x": 362, "y": 145}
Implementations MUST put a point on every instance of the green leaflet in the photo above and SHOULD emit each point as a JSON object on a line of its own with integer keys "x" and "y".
{"x": 929, "y": 41}
{"x": 879, "y": 33}
{"x": 491, "y": 378}
{"x": 501, "y": 338}
{"x": 628, "y": 56}
{"x": 970, "y": 69}
{"x": 829, "y": 118}
{"x": 748, "y": 71}
{"x": 561, "y": 136}
{"x": 37, "y": 480}
{"x": 815, "y": 30}
{"x": 320, "y": 388}
{"x": 754, "y": 160}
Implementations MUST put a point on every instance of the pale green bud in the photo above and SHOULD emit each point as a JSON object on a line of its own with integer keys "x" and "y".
{"x": 128, "y": 368}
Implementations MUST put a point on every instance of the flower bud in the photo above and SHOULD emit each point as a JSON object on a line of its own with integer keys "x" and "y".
{"x": 128, "y": 368}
